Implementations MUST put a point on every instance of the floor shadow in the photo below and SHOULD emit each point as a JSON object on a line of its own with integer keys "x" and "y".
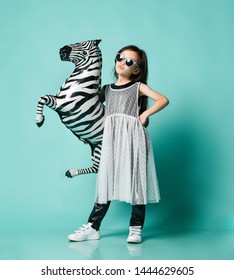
{"x": 114, "y": 232}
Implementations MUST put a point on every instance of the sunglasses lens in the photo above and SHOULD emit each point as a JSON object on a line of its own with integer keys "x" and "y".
{"x": 119, "y": 57}
{"x": 129, "y": 62}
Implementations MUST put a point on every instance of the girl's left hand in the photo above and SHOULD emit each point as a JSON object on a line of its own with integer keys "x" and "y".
{"x": 143, "y": 118}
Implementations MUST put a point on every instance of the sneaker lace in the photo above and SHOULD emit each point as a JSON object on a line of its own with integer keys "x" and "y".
{"x": 135, "y": 230}
{"x": 82, "y": 228}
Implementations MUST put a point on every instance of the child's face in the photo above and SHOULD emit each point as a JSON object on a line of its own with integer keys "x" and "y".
{"x": 122, "y": 68}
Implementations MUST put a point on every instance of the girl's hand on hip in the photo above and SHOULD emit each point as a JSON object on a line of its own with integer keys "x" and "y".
{"x": 143, "y": 118}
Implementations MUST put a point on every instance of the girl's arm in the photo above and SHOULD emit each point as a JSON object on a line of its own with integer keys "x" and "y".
{"x": 160, "y": 102}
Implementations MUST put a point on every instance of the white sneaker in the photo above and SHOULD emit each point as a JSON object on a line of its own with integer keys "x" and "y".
{"x": 134, "y": 234}
{"x": 86, "y": 232}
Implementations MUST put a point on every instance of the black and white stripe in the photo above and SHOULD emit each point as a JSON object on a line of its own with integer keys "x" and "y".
{"x": 78, "y": 101}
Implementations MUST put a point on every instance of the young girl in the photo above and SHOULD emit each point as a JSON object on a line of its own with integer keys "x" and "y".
{"x": 127, "y": 170}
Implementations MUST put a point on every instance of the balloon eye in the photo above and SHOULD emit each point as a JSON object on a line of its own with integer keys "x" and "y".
{"x": 84, "y": 52}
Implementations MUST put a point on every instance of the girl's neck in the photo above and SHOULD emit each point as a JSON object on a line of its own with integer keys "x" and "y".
{"x": 122, "y": 81}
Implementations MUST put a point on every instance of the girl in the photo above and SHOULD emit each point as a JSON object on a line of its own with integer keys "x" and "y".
{"x": 127, "y": 170}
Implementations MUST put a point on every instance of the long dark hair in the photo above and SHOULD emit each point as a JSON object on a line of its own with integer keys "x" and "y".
{"x": 141, "y": 76}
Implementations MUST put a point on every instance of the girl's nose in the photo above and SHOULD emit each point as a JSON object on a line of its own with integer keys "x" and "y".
{"x": 122, "y": 61}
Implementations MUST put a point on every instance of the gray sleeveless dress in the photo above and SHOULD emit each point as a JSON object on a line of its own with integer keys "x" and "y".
{"x": 127, "y": 169}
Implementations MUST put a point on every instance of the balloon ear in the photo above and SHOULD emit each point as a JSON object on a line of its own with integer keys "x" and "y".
{"x": 97, "y": 42}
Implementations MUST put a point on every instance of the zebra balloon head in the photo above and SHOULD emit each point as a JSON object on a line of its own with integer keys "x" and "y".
{"x": 81, "y": 54}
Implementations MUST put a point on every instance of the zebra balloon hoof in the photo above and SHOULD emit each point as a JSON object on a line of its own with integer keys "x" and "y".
{"x": 40, "y": 121}
{"x": 71, "y": 173}
{"x": 68, "y": 174}
{"x": 78, "y": 102}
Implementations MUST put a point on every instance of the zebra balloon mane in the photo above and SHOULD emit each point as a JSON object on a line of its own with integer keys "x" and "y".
{"x": 78, "y": 102}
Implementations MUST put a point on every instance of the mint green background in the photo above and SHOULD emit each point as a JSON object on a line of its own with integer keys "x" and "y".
{"x": 190, "y": 49}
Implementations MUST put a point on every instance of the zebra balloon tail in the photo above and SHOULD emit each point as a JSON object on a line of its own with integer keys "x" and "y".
{"x": 78, "y": 102}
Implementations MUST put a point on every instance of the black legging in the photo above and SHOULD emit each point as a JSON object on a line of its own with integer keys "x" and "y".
{"x": 99, "y": 211}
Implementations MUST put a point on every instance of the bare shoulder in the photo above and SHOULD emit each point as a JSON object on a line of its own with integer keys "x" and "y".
{"x": 145, "y": 90}
{"x": 142, "y": 89}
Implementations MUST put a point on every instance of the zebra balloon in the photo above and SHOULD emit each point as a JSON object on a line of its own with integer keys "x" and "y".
{"x": 78, "y": 102}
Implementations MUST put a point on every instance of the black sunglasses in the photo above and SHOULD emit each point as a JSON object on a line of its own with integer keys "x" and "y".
{"x": 128, "y": 61}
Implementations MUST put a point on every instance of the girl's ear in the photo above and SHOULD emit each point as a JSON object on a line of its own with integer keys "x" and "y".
{"x": 136, "y": 71}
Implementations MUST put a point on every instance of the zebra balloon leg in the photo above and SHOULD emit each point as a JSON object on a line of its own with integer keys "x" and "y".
{"x": 78, "y": 102}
